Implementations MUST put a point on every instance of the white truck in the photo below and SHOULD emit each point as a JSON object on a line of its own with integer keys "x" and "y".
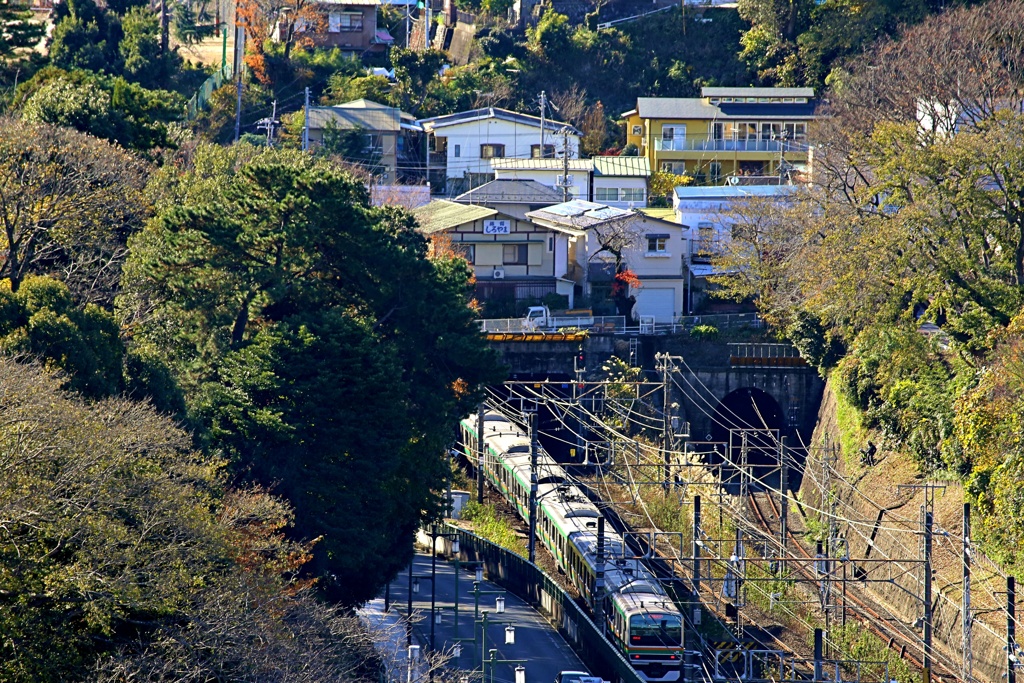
{"x": 540, "y": 319}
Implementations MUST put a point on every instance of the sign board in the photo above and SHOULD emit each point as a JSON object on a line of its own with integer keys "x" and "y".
{"x": 497, "y": 227}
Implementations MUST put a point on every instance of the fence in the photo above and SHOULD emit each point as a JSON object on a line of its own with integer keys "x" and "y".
{"x": 530, "y": 583}
{"x": 199, "y": 101}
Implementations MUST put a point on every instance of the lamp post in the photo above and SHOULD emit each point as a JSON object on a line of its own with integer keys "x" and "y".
{"x": 413, "y": 654}
{"x": 488, "y": 658}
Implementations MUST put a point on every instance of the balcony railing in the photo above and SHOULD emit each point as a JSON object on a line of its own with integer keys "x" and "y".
{"x": 708, "y": 145}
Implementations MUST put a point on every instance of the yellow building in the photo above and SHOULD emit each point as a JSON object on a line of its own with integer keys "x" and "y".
{"x": 727, "y": 132}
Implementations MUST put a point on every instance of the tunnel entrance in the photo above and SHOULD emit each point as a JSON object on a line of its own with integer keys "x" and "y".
{"x": 753, "y": 419}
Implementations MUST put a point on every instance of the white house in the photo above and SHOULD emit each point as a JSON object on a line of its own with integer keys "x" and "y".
{"x": 620, "y": 181}
{"x": 550, "y": 172}
{"x": 655, "y": 249}
{"x": 464, "y": 143}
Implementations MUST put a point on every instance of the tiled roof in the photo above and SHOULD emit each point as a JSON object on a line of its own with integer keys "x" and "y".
{"x": 509, "y": 191}
{"x": 346, "y": 118}
{"x": 622, "y": 166}
{"x": 440, "y": 215}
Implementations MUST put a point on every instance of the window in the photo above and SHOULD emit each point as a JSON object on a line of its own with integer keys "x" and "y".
{"x": 492, "y": 151}
{"x": 515, "y": 254}
{"x": 606, "y": 194}
{"x": 638, "y": 130}
{"x": 564, "y": 180}
{"x": 333, "y": 22}
{"x": 458, "y": 151}
{"x": 705, "y": 236}
{"x": 549, "y": 152}
{"x": 675, "y": 132}
{"x": 631, "y": 194}
{"x": 715, "y": 100}
{"x": 350, "y": 21}
{"x": 715, "y": 169}
{"x": 677, "y": 167}
{"x": 657, "y": 244}
{"x": 796, "y": 131}
{"x": 551, "y": 243}
{"x": 467, "y": 250}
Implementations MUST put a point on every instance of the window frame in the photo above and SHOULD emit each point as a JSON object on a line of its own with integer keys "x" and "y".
{"x": 659, "y": 242}
{"x": 488, "y": 149}
{"x": 522, "y": 255}
{"x": 613, "y": 197}
{"x": 549, "y": 151}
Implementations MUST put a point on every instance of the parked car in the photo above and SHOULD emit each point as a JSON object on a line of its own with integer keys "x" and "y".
{"x": 576, "y": 677}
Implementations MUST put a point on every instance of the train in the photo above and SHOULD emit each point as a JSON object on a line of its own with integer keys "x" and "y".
{"x": 640, "y": 618}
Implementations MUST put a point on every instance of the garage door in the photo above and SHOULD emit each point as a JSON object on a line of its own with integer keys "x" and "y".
{"x": 660, "y": 303}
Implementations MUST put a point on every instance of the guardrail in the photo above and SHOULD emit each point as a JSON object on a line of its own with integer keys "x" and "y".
{"x": 616, "y": 324}
{"x": 528, "y": 581}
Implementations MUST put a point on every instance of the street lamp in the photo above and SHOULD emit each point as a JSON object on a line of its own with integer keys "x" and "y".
{"x": 488, "y": 662}
{"x": 411, "y": 659}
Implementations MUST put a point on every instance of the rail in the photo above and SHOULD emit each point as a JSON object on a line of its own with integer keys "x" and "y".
{"x": 617, "y": 324}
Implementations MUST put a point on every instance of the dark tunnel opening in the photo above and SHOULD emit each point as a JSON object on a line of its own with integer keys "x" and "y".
{"x": 752, "y": 418}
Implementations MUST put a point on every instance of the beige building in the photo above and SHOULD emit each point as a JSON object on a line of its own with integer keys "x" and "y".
{"x": 389, "y": 135}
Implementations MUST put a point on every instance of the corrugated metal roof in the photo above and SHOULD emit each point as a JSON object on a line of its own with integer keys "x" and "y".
{"x": 503, "y": 191}
{"x": 578, "y": 214}
{"x": 365, "y": 119}
{"x": 511, "y": 164}
{"x": 622, "y": 166}
{"x": 441, "y": 214}
{"x": 757, "y": 92}
{"x": 457, "y": 118}
{"x": 363, "y": 103}
{"x": 676, "y": 108}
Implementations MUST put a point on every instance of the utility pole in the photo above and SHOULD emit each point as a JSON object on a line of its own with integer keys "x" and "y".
{"x": 543, "y": 106}
{"x": 534, "y": 447}
{"x": 599, "y": 578}
{"x": 565, "y": 163}
{"x": 666, "y": 429}
{"x": 480, "y": 454}
{"x": 305, "y": 133}
{"x": 965, "y": 609}
{"x": 927, "y": 661}
{"x": 426, "y": 26}
{"x": 239, "y": 63}
{"x": 784, "y": 496}
{"x": 696, "y": 544}
{"x": 1011, "y": 630}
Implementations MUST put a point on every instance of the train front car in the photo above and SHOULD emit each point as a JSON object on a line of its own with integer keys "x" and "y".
{"x": 652, "y": 632}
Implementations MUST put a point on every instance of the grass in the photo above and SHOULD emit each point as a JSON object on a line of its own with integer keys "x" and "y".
{"x": 487, "y": 524}
{"x": 852, "y": 434}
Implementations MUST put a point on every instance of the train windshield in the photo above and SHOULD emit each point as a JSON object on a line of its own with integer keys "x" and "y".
{"x": 656, "y": 629}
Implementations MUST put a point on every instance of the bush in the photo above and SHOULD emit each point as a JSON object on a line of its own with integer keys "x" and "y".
{"x": 704, "y": 332}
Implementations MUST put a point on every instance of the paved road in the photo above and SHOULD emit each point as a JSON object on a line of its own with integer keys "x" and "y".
{"x": 544, "y": 650}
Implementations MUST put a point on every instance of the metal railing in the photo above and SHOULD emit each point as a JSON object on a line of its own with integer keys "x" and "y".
{"x": 712, "y": 145}
{"x": 724, "y": 321}
{"x": 517, "y": 575}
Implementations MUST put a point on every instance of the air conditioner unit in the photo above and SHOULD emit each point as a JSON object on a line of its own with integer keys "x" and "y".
{"x": 499, "y": 273}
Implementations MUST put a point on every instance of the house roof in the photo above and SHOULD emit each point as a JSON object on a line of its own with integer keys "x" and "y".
{"x": 438, "y": 122}
{"x": 578, "y": 214}
{"x": 441, "y": 214}
{"x": 757, "y": 92}
{"x": 375, "y": 118}
{"x": 363, "y": 103}
{"x": 698, "y": 108}
{"x": 622, "y": 166}
{"x": 667, "y": 215}
{"x": 510, "y": 191}
{"x": 510, "y": 164}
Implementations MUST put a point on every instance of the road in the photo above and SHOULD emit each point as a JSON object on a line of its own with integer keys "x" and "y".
{"x": 543, "y": 649}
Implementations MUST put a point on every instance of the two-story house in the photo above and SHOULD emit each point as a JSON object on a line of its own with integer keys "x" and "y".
{"x": 511, "y": 197}
{"x": 727, "y": 132}
{"x": 351, "y": 25}
{"x": 389, "y": 136}
{"x": 654, "y": 249}
{"x": 574, "y": 184}
{"x": 515, "y": 260}
{"x": 463, "y": 144}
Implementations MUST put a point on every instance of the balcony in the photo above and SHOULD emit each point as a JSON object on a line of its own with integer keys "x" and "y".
{"x": 709, "y": 145}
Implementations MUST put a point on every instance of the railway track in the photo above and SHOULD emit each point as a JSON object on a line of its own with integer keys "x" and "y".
{"x": 898, "y": 636}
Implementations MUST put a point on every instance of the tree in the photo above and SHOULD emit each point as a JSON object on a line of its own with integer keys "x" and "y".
{"x": 85, "y": 37}
{"x": 143, "y": 61}
{"x": 285, "y": 303}
{"x": 68, "y": 202}
{"x": 18, "y": 29}
{"x": 122, "y": 544}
